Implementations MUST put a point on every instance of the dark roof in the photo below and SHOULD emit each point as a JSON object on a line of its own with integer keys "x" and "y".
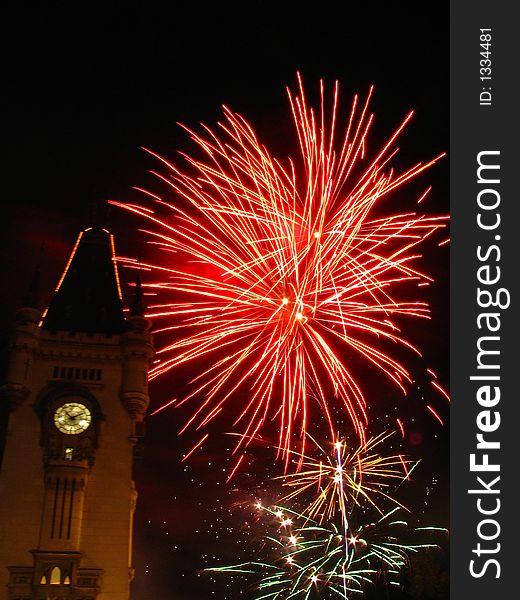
{"x": 88, "y": 297}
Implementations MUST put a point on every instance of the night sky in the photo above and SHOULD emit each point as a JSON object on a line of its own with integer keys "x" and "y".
{"x": 87, "y": 88}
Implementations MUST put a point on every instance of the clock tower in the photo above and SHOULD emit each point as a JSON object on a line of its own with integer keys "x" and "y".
{"x": 77, "y": 394}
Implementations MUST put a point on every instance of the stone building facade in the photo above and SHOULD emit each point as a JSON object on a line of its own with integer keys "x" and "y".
{"x": 77, "y": 391}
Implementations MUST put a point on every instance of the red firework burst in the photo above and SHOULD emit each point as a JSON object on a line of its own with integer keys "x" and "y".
{"x": 294, "y": 272}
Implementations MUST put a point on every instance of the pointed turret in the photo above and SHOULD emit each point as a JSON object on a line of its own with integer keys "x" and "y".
{"x": 31, "y": 309}
{"x": 88, "y": 296}
{"x": 22, "y": 343}
{"x": 138, "y": 352}
{"x": 137, "y": 308}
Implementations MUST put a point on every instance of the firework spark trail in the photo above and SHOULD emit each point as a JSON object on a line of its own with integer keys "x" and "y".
{"x": 343, "y": 509}
{"x": 338, "y": 530}
{"x": 345, "y": 478}
{"x": 329, "y": 488}
{"x": 346, "y": 481}
{"x": 295, "y": 271}
{"x": 310, "y": 557}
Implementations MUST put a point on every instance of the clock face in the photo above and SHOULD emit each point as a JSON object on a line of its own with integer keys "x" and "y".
{"x": 72, "y": 418}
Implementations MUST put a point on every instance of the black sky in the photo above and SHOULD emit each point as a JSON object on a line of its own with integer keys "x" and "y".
{"x": 87, "y": 87}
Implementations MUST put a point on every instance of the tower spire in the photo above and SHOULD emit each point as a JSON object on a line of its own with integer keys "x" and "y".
{"x": 88, "y": 296}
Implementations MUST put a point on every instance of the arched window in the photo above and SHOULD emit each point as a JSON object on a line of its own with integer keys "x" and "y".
{"x": 55, "y": 576}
